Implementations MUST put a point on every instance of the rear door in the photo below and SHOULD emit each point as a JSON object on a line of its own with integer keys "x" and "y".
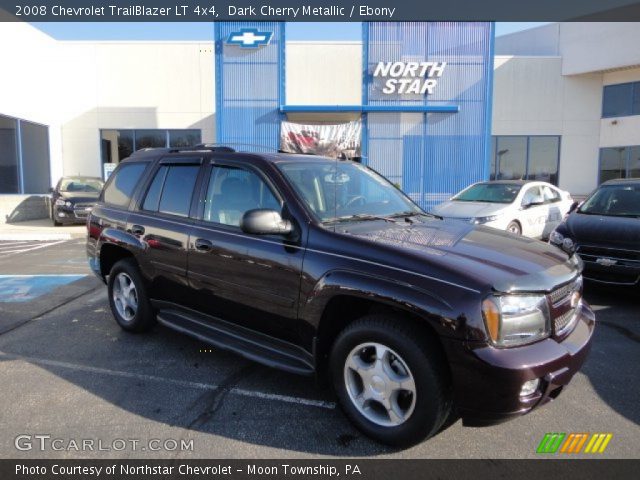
{"x": 162, "y": 222}
{"x": 251, "y": 280}
{"x": 534, "y": 217}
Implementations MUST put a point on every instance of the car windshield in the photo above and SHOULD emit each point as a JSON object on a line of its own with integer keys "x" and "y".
{"x": 341, "y": 190}
{"x": 87, "y": 185}
{"x": 489, "y": 192}
{"x": 614, "y": 200}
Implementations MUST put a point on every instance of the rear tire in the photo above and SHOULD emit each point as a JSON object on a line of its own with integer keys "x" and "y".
{"x": 390, "y": 379}
{"x": 128, "y": 298}
{"x": 514, "y": 227}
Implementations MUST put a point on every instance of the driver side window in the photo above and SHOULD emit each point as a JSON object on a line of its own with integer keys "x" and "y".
{"x": 530, "y": 195}
{"x": 232, "y": 192}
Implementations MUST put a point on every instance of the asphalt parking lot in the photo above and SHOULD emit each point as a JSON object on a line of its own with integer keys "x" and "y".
{"x": 68, "y": 371}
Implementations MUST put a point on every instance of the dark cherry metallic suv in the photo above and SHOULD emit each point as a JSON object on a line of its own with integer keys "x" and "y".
{"x": 317, "y": 266}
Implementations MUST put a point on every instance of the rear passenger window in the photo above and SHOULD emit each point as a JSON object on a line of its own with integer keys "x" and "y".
{"x": 550, "y": 195}
{"x": 119, "y": 190}
{"x": 171, "y": 189}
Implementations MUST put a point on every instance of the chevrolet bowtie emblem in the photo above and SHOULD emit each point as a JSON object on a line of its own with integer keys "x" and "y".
{"x": 606, "y": 262}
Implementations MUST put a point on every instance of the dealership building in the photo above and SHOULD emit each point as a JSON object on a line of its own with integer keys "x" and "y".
{"x": 437, "y": 105}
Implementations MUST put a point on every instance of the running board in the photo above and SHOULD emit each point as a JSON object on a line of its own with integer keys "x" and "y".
{"x": 248, "y": 343}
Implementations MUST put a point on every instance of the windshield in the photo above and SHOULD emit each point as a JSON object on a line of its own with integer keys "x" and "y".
{"x": 614, "y": 200}
{"x": 489, "y": 192}
{"x": 344, "y": 190}
{"x": 88, "y": 185}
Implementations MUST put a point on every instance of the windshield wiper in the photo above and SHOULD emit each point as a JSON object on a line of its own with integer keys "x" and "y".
{"x": 413, "y": 213}
{"x": 361, "y": 216}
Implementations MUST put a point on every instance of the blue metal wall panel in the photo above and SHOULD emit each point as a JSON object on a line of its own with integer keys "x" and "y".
{"x": 250, "y": 86}
{"x": 431, "y": 155}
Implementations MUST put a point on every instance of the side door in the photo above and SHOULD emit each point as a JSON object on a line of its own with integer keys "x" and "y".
{"x": 162, "y": 222}
{"x": 250, "y": 280}
{"x": 555, "y": 213}
{"x": 534, "y": 212}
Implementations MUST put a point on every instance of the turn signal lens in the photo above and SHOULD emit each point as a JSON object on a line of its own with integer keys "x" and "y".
{"x": 491, "y": 315}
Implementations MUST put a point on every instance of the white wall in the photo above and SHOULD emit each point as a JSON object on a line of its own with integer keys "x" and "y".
{"x": 78, "y": 88}
{"x": 531, "y": 97}
{"x": 620, "y": 131}
{"x": 597, "y": 46}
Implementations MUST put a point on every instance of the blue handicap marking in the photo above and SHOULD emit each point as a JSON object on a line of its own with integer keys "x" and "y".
{"x": 23, "y": 288}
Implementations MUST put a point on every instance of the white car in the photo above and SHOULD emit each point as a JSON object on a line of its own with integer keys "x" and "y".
{"x": 532, "y": 209}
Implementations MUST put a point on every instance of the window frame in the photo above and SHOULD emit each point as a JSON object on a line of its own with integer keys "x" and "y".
{"x": 168, "y": 161}
{"x": 627, "y": 160}
{"x": 204, "y": 185}
{"x": 495, "y": 161}
{"x": 634, "y": 85}
{"x": 136, "y": 189}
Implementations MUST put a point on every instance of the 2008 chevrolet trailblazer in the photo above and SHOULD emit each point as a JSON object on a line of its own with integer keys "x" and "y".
{"x": 314, "y": 265}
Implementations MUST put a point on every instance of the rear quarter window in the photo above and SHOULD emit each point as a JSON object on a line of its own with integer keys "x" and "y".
{"x": 122, "y": 183}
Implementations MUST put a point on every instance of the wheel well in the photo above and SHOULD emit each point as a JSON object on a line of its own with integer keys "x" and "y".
{"x": 109, "y": 255}
{"x": 343, "y": 310}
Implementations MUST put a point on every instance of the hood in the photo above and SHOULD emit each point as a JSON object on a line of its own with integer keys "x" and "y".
{"x": 78, "y": 197}
{"x": 606, "y": 231}
{"x": 454, "y": 209}
{"x": 482, "y": 254}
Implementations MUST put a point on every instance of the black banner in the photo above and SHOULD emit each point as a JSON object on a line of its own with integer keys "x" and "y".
{"x": 362, "y": 469}
{"x": 317, "y": 10}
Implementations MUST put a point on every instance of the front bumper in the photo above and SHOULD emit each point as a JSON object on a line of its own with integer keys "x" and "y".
{"x": 72, "y": 214}
{"x": 487, "y": 380}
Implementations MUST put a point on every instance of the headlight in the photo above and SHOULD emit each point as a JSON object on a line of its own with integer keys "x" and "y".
{"x": 481, "y": 220}
{"x": 567, "y": 244}
{"x": 62, "y": 202}
{"x": 516, "y": 319}
{"x": 556, "y": 238}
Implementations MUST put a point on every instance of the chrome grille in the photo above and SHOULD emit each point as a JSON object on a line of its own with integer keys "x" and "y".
{"x": 563, "y": 313}
{"x": 563, "y": 321}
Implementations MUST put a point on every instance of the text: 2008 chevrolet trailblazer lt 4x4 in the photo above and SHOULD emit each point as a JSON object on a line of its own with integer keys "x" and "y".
{"x": 313, "y": 265}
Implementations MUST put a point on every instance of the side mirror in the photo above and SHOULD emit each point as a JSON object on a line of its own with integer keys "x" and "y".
{"x": 51, "y": 189}
{"x": 265, "y": 222}
{"x": 574, "y": 206}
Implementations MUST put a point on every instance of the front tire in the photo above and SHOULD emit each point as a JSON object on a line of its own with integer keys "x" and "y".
{"x": 390, "y": 379}
{"x": 128, "y": 298}
{"x": 514, "y": 227}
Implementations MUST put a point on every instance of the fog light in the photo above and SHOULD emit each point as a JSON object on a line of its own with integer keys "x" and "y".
{"x": 529, "y": 387}
{"x": 62, "y": 214}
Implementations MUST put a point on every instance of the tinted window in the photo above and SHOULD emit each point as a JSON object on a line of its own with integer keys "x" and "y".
{"x": 123, "y": 182}
{"x": 9, "y": 180}
{"x": 179, "y": 183}
{"x": 617, "y": 100}
{"x": 543, "y": 159}
{"x": 152, "y": 199}
{"x": 511, "y": 158}
{"x": 234, "y": 191}
{"x": 634, "y": 162}
{"x": 613, "y": 163}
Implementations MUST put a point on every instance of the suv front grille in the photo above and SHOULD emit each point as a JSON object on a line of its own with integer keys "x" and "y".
{"x": 629, "y": 258}
{"x": 563, "y": 308}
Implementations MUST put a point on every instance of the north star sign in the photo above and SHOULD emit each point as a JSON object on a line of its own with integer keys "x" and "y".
{"x": 249, "y": 38}
{"x": 409, "y": 77}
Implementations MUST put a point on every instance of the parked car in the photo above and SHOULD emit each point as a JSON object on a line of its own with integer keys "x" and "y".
{"x": 605, "y": 233}
{"x": 528, "y": 208}
{"x": 73, "y": 198}
{"x": 322, "y": 267}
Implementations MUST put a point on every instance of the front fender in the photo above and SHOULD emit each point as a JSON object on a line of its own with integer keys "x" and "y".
{"x": 433, "y": 308}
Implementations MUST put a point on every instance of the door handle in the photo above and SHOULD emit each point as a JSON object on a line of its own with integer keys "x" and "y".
{"x": 137, "y": 229}
{"x": 203, "y": 245}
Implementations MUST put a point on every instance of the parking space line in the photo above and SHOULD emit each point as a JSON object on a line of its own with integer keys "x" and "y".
{"x": 15, "y": 249}
{"x": 181, "y": 383}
